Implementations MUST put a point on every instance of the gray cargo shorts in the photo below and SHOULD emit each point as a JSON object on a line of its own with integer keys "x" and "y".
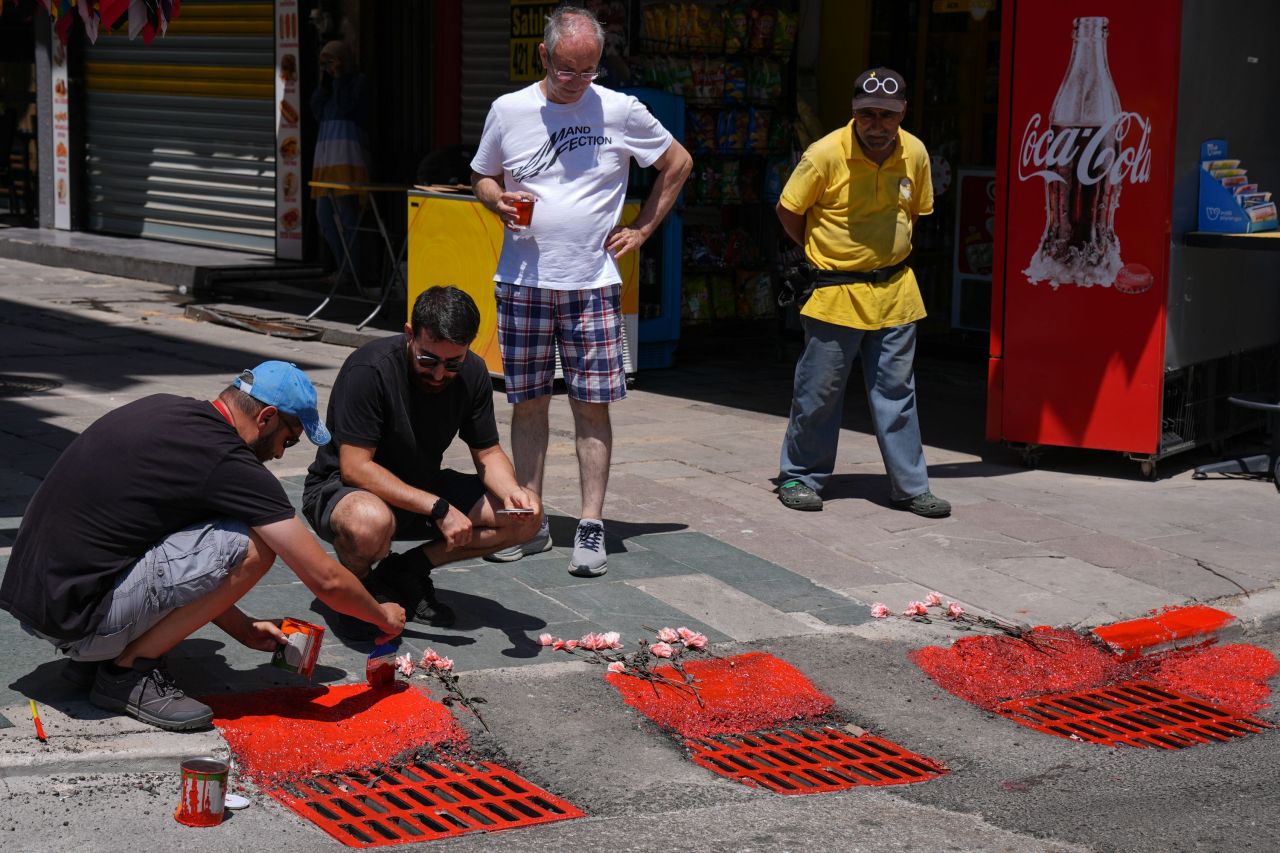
{"x": 175, "y": 571}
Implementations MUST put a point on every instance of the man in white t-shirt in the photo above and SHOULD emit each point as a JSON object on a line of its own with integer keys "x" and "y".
{"x": 568, "y": 145}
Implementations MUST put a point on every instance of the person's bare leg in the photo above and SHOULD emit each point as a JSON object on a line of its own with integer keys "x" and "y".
{"x": 362, "y": 529}
{"x": 593, "y": 441}
{"x": 529, "y": 431}
{"x": 179, "y": 624}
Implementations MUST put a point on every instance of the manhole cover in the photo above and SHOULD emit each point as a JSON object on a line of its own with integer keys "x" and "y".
{"x": 1135, "y": 713}
{"x": 420, "y": 802}
{"x": 18, "y": 386}
{"x": 810, "y": 761}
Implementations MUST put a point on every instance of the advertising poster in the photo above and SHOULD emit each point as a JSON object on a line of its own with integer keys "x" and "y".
{"x": 528, "y": 20}
{"x": 289, "y": 193}
{"x": 1084, "y": 253}
{"x": 61, "y": 139}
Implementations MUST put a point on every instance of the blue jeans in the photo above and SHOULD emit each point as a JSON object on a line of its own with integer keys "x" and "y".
{"x": 817, "y": 404}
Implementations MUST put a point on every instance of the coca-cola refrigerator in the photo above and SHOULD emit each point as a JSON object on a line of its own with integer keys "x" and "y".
{"x": 1085, "y": 222}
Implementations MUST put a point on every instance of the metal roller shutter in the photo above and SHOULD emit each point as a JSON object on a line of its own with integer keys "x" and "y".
{"x": 181, "y": 132}
{"x": 486, "y": 62}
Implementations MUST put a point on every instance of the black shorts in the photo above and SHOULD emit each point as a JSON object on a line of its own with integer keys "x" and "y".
{"x": 460, "y": 490}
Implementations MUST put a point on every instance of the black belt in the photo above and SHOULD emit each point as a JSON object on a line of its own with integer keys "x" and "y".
{"x": 824, "y": 278}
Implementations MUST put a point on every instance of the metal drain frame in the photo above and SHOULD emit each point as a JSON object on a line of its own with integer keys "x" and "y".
{"x": 1133, "y": 713}
{"x": 810, "y": 760}
{"x": 422, "y": 801}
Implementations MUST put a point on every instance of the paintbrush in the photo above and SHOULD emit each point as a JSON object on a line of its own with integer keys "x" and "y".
{"x": 35, "y": 717}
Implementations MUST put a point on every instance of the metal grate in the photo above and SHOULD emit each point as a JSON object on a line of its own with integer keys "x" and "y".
{"x": 420, "y": 802}
{"x": 1135, "y": 713}
{"x": 810, "y": 761}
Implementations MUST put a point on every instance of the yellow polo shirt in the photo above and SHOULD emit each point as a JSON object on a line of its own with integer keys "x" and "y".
{"x": 858, "y": 217}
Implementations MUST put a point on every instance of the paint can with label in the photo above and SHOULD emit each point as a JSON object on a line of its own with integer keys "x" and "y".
{"x": 301, "y": 649}
{"x": 204, "y": 790}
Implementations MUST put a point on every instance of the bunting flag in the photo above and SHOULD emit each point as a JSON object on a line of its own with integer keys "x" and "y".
{"x": 145, "y": 17}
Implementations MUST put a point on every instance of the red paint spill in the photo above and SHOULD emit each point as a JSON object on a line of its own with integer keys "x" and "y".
{"x": 1135, "y": 636}
{"x": 306, "y": 730}
{"x": 739, "y": 694}
{"x": 988, "y": 670}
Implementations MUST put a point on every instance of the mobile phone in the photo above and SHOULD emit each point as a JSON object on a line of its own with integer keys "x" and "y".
{"x": 517, "y": 511}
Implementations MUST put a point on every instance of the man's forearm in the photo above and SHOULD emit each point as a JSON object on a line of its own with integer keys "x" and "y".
{"x": 666, "y": 189}
{"x": 496, "y": 471}
{"x": 487, "y": 189}
{"x": 379, "y": 481}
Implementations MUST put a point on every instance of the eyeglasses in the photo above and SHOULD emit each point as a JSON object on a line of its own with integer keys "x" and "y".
{"x": 569, "y": 76}
{"x": 430, "y": 360}
{"x": 880, "y": 84}
{"x": 292, "y": 440}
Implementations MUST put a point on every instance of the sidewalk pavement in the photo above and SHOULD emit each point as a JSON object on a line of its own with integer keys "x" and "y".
{"x": 695, "y": 534}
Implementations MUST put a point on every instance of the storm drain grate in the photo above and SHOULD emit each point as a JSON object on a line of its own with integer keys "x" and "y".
{"x": 420, "y": 802}
{"x": 810, "y": 761}
{"x": 1135, "y": 713}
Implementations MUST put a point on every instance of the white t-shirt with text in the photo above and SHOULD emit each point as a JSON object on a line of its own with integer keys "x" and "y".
{"x": 575, "y": 159}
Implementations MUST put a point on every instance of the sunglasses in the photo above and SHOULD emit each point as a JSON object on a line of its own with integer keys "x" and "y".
{"x": 430, "y": 360}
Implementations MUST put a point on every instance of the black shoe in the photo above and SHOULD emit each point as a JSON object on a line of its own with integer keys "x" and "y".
{"x": 81, "y": 673}
{"x": 145, "y": 692}
{"x": 405, "y": 578}
{"x": 431, "y": 610}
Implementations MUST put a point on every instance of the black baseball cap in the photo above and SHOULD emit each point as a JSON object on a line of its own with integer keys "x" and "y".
{"x": 880, "y": 88}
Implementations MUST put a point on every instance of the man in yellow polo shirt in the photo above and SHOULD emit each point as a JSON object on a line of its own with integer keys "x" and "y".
{"x": 852, "y": 202}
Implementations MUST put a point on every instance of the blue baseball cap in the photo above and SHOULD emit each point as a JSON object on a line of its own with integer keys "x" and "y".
{"x": 283, "y": 385}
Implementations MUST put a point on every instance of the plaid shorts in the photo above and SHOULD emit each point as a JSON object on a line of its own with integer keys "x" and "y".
{"x": 586, "y": 323}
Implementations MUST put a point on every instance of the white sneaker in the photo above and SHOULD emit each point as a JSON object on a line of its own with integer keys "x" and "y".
{"x": 537, "y": 545}
{"x": 589, "y": 559}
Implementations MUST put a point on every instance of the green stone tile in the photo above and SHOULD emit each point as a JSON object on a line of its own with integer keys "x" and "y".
{"x": 615, "y": 606}
{"x": 551, "y": 574}
{"x": 792, "y": 593}
{"x": 849, "y": 614}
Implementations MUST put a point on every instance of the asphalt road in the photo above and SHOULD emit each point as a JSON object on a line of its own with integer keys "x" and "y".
{"x": 564, "y": 728}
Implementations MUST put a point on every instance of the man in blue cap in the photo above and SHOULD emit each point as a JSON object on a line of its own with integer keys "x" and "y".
{"x": 154, "y": 522}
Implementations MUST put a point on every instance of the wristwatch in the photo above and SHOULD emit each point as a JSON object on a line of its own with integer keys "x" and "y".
{"x": 440, "y": 509}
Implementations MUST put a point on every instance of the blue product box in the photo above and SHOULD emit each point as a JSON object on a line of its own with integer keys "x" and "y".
{"x": 1228, "y": 202}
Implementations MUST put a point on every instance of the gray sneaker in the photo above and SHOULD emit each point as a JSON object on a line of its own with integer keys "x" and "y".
{"x": 539, "y": 544}
{"x": 147, "y": 693}
{"x": 589, "y": 560}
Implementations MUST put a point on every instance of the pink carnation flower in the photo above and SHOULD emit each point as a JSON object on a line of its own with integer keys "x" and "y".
{"x": 695, "y": 640}
{"x": 915, "y": 608}
{"x": 443, "y": 664}
{"x": 661, "y": 650}
{"x": 954, "y": 610}
{"x": 617, "y": 666}
{"x": 593, "y": 641}
{"x": 933, "y": 599}
{"x": 404, "y": 665}
{"x": 668, "y": 635}
{"x": 557, "y": 645}
{"x": 612, "y": 640}
{"x": 684, "y": 633}
{"x": 545, "y": 639}
{"x": 879, "y": 611}
{"x": 428, "y": 657}
{"x": 571, "y": 644}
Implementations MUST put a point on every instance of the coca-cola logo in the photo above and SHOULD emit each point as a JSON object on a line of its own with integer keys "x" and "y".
{"x": 1103, "y": 153}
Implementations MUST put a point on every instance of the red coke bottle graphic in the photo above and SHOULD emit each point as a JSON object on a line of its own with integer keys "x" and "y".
{"x": 1083, "y": 159}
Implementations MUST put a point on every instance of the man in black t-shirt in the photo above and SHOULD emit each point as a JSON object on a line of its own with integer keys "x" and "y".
{"x": 397, "y": 405}
{"x": 154, "y": 522}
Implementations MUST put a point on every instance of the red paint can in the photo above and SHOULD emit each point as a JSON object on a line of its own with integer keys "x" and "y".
{"x": 204, "y": 791}
{"x": 302, "y": 648}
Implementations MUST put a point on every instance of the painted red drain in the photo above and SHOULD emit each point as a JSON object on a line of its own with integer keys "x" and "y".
{"x": 810, "y": 760}
{"x": 1132, "y": 713}
{"x": 419, "y": 802}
